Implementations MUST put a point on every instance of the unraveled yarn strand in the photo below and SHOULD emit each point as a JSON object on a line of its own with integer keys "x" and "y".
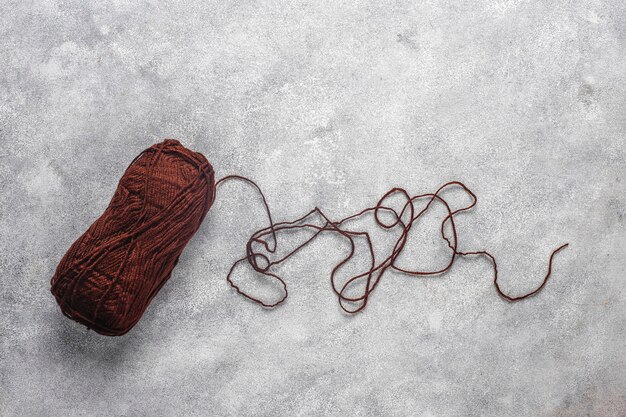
{"x": 373, "y": 275}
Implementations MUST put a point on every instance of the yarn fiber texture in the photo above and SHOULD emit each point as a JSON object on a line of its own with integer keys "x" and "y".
{"x": 109, "y": 276}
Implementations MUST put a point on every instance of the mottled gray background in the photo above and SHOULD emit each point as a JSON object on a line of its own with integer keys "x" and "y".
{"x": 327, "y": 104}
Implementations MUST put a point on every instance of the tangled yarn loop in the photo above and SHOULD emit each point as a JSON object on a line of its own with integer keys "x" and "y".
{"x": 365, "y": 283}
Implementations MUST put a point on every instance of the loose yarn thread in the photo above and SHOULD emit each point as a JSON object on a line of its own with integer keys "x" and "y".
{"x": 374, "y": 273}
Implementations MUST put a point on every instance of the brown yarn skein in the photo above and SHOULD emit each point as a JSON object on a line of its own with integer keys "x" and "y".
{"x": 108, "y": 277}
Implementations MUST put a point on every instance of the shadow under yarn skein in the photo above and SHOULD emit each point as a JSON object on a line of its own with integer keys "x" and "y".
{"x": 108, "y": 277}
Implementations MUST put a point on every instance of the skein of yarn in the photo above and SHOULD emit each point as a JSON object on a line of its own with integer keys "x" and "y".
{"x": 108, "y": 277}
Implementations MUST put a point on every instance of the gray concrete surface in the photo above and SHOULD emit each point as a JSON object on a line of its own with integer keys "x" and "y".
{"x": 328, "y": 104}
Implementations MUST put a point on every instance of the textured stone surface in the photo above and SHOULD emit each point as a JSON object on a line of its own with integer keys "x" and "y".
{"x": 329, "y": 105}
